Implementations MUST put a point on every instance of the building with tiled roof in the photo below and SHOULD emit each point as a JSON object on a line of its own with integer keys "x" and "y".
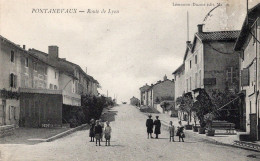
{"x": 217, "y": 35}
{"x": 211, "y": 63}
{"x": 155, "y": 93}
{"x": 248, "y": 46}
{"x": 84, "y": 83}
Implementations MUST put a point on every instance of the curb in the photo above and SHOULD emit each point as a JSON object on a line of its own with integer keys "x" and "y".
{"x": 64, "y": 133}
{"x": 215, "y": 141}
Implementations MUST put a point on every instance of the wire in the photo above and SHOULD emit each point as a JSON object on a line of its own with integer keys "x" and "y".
{"x": 218, "y": 50}
{"x": 254, "y": 37}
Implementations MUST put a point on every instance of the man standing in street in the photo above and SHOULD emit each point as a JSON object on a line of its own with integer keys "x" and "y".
{"x": 149, "y": 126}
{"x": 157, "y": 124}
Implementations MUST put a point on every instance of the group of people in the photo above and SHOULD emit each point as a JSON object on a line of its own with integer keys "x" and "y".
{"x": 150, "y": 124}
{"x": 156, "y": 124}
{"x": 98, "y": 131}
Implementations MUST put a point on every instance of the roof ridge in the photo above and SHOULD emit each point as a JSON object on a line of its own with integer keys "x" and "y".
{"x": 217, "y": 32}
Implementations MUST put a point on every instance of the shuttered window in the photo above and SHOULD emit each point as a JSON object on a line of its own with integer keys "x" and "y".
{"x": 245, "y": 77}
{"x": 12, "y": 56}
{"x": 13, "y": 80}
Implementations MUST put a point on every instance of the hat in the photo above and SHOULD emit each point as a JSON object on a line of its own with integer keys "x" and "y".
{"x": 157, "y": 116}
{"x": 149, "y": 115}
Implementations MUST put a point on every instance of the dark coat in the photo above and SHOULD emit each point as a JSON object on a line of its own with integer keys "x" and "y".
{"x": 149, "y": 125}
{"x": 91, "y": 130}
{"x": 180, "y": 131}
{"x": 98, "y": 129}
{"x": 157, "y": 124}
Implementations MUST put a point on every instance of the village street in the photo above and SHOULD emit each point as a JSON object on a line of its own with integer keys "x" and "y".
{"x": 129, "y": 142}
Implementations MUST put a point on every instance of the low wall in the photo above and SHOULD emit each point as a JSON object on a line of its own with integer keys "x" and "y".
{"x": 7, "y": 130}
{"x": 158, "y": 108}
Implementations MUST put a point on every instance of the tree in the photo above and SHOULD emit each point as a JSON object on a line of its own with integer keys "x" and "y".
{"x": 185, "y": 103}
{"x": 202, "y": 106}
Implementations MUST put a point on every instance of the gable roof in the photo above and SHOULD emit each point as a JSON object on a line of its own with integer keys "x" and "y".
{"x": 179, "y": 69}
{"x": 63, "y": 65}
{"x": 218, "y": 35}
{"x": 25, "y": 51}
{"x": 144, "y": 88}
{"x": 253, "y": 14}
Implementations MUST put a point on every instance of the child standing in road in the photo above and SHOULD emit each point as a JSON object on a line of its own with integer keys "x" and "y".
{"x": 98, "y": 132}
{"x": 171, "y": 131}
{"x": 180, "y": 132}
{"x": 91, "y": 130}
{"x": 102, "y": 125}
{"x": 107, "y": 132}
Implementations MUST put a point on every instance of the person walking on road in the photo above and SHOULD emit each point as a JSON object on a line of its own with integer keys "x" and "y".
{"x": 91, "y": 130}
{"x": 171, "y": 131}
{"x": 157, "y": 129}
{"x": 107, "y": 132}
{"x": 98, "y": 132}
{"x": 180, "y": 132}
{"x": 149, "y": 126}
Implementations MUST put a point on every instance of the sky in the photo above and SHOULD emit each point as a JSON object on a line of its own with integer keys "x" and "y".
{"x": 139, "y": 43}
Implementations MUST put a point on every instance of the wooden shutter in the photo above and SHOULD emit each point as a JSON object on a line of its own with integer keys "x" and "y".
{"x": 245, "y": 77}
{"x": 15, "y": 81}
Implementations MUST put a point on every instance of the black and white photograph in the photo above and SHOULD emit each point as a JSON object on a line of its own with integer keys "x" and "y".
{"x": 121, "y": 80}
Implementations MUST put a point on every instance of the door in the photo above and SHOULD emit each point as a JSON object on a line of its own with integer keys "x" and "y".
{"x": 253, "y": 126}
{"x": 3, "y": 112}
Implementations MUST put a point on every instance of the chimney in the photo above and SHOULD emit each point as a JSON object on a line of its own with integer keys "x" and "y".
{"x": 24, "y": 47}
{"x": 86, "y": 70}
{"x": 187, "y": 43}
{"x": 53, "y": 52}
{"x": 200, "y": 28}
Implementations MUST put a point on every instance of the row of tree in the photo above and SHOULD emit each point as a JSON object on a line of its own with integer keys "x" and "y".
{"x": 205, "y": 107}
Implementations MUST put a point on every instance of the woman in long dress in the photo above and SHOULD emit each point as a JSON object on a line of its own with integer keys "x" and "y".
{"x": 157, "y": 129}
{"x": 91, "y": 130}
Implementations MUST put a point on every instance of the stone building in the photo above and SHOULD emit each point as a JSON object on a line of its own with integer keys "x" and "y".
{"x": 20, "y": 70}
{"x": 248, "y": 46}
{"x": 160, "y": 91}
{"x": 134, "y": 101}
{"x": 211, "y": 62}
{"x": 144, "y": 94}
{"x": 74, "y": 80}
{"x": 179, "y": 79}
{"x": 35, "y": 86}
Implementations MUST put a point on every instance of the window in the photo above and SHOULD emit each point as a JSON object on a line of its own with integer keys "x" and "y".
{"x": 190, "y": 83}
{"x": 10, "y": 113}
{"x": 12, "y": 56}
{"x": 14, "y": 113}
{"x": 26, "y": 62}
{"x": 231, "y": 75}
{"x": 13, "y": 79}
{"x": 187, "y": 84}
{"x": 190, "y": 63}
{"x": 196, "y": 80}
{"x": 51, "y": 86}
{"x": 55, "y": 75}
{"x": 196, "y": 59}
{"x": 55, "y": 87}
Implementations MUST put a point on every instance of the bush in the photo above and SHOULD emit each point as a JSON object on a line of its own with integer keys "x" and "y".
{"x": 92, "y": 106}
